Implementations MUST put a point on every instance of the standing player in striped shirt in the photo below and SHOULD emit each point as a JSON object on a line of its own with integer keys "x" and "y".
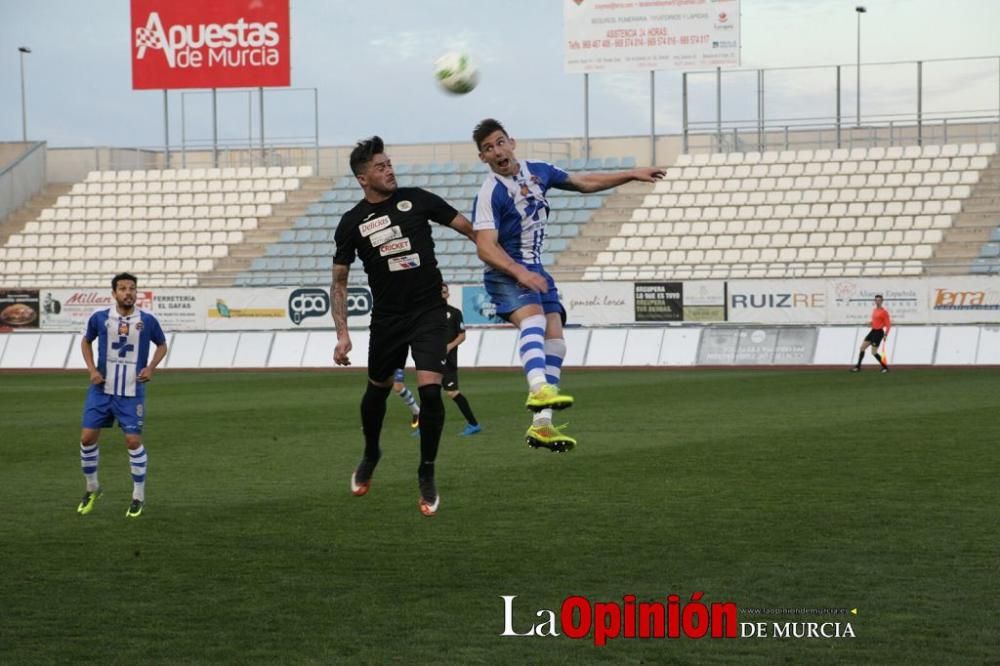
{"x": 509, "y": 217}
{"x": 124, "y": 334}
{"x": 880, "y": 329}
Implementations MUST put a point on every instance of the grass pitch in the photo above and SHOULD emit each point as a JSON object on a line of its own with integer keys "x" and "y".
{"x": 770, "y": 489}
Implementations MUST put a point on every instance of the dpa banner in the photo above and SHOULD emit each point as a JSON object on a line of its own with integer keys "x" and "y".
{"x": 217, "y": 44}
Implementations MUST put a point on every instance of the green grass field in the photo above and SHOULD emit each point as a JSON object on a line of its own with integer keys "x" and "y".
{"x": 769, "y": 489}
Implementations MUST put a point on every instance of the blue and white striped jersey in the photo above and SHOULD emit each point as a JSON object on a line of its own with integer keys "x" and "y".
{"x": 123, "y": 347}
{"x": 517, "y": 208}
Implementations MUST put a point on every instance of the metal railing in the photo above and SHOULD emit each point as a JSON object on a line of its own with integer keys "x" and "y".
{"x": 22, "y": 179}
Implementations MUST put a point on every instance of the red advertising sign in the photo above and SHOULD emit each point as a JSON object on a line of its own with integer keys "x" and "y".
{"x": 218, "y": 44}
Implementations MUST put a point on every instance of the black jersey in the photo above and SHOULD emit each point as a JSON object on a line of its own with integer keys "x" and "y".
{"x": 393, "y": 239}
{"x": 456, "y": 325}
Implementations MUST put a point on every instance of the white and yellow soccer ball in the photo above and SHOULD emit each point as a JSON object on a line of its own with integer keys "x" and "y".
{"x": 456, "y": 73}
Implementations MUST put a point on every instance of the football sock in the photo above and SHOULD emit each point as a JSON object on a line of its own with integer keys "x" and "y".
{"x": 543, "y": 417}
{"x": 861, "y": 357}
{"x": 555, "y": 352}
{"x": 372, "y": 415}
{"x": 878, "y": 357}
{"x": 463, "y": 404}
{"x": 431, "y": 424}
{"x": 531, "y": 346}
{"x": 410, "y": 401}
{"x": 89, "y": 457}
{"x": 137, "y": 461}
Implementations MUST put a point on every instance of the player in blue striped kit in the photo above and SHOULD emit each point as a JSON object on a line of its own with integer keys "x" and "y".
{"x": 509, "y": 217}
{"x": 124, "y": 334}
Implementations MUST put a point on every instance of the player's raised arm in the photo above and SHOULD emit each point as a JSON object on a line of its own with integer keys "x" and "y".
{"x": 339, "y": 310}
{"x": 596, "y": 182}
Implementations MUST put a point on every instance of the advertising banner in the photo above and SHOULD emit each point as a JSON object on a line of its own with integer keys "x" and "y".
{"x": 281, "y": 308}
{"x": 69, "y": 309}
{"x": 179, "y": 309}
{"x": 778, "y": 301}
{"x": 796, "y": 346}
{"x": 597, "y": 303}
{"x": 659, "y": 301}
{"x": 963, "y": 299}
{"x": 643, "y": 36}
{"x": 705, "y": 300}
{"x": 851, "y": 300}
{"x": 18, "y": 308}
{"x": 218, "y": 44}
{"x": 717, "y": 346}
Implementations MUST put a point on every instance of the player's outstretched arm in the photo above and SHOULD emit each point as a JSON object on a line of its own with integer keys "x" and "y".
{"x": 596, "y": 182}
{"x": 489, "y": 250}
{"x": 462, "y": 225}
{"x": 339, "y": 310}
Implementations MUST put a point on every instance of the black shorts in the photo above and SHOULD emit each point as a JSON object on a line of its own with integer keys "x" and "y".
{"x": 424, "y": 335}
{"x": 450, "y": 380}
{"x": 875, "y": 336}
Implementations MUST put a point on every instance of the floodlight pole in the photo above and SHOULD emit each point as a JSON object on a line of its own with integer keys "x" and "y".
{"x": 860, "y": 10}
{"x": 24, "y": 107}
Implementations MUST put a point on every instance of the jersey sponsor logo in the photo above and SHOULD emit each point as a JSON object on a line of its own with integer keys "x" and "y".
{"x": 380, "y": 237}
{"x": 371, "y": 226}
{"x": 404, "y": 263}
{"x": 395, "y": 247}
{"x": 303, "y": 303}
{"x": 122, "y": 327}
{"x": 405, "y": 206}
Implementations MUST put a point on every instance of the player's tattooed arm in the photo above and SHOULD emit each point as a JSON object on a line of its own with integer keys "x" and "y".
{"x": 339, "y": 292}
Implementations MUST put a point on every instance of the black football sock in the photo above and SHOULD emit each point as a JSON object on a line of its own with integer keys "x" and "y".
{"x": 878, "y": 357}
{"x": 463, "y": 404}
{"x": 431, "y": 424}
{"x": 372, "y": 415}
{"x": 861, "y": 357}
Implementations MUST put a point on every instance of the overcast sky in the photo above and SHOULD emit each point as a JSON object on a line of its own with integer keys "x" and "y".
{"x": 371, "y": 61}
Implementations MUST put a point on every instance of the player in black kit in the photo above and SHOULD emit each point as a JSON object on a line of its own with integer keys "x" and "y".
{"x": 456, "y": 336}
{"x": 389, "y": 230}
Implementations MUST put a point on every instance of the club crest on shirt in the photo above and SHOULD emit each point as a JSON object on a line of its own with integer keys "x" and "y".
{"x": 395, "y": 247}
{"x": 404, "y": 263}
{"x": 389, "y": 234}
{"x": 138, "y": 326}
{"x": 404, "y": 206}
{"x": 371, "y": 226}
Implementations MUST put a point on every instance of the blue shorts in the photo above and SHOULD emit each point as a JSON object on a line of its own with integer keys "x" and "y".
{"x": 398, "y": 376}
{"x": 509, "y": 296}
{"x": 101, "y": 410}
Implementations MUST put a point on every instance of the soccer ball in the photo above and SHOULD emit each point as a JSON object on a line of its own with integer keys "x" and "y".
{"x": 456, "y": 73}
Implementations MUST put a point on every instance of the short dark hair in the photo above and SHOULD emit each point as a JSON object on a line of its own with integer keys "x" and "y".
{"x": 878, "y": 296}
{"x": 122, "y": 276}
{"x": 364, "y": 151}
{"x": 485, "y": 128}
